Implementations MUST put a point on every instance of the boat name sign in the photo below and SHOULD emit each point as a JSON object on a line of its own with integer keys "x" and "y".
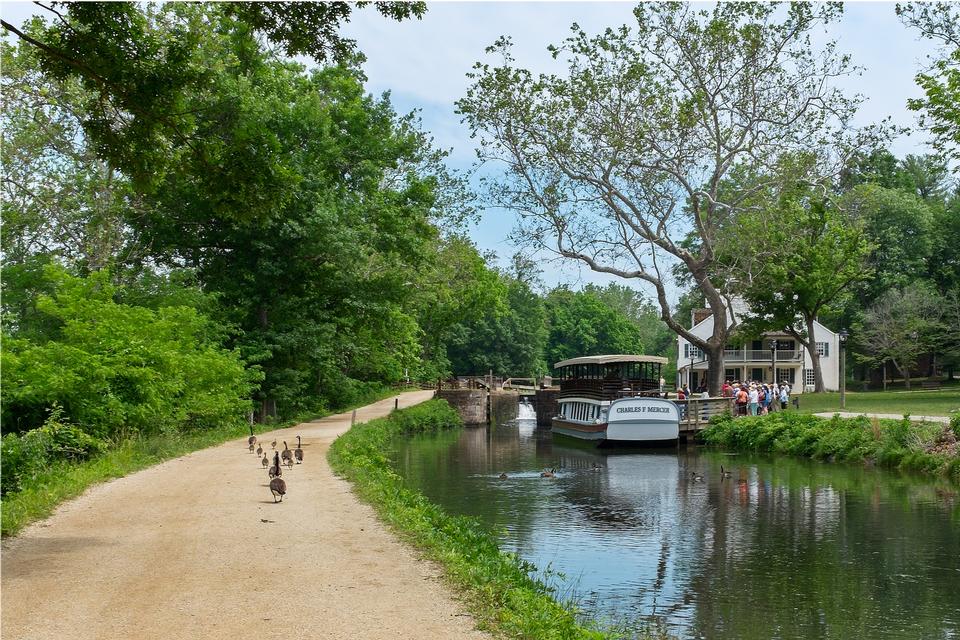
{"x": 643, "y": 409}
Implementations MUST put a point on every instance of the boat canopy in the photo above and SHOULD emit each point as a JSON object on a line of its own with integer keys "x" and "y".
{"x": 610, "y": 359}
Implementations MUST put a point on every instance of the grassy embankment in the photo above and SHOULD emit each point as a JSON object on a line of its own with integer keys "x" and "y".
{"x": 62, "y": 481}
{"x": 498, "y": 587}
{"x": 927, "y": 447}
{"x": 915, "y": 402}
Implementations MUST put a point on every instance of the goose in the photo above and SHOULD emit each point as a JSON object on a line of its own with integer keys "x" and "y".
{"x": 278, "y": 488}
{"x": 549, "y": 474}
{"x": 503, "y": 476}
{"x": 298, "y": 452}
{"x": 697, "y": 477}
{"x": 252, "y": 440}
{"x": 596, "y": 467}
{"x": 250, "y": 446}
{"x": 274, "y": 470}
{"x": 259, "y": 450}
{"x": 286, "y": 454}
{"x": 289, "y": 463}
{"x": 274, "y": 444}
{"x": 264, "y": 462}
{"x": 724, "y": 474}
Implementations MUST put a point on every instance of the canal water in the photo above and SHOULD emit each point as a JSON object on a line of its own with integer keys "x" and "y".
{"x": 646, "y": 539}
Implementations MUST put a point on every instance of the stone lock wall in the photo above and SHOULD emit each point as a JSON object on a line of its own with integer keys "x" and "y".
{"x": 471, "y": 404}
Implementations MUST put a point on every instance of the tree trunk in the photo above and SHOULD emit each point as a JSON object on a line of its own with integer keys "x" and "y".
{"x": 811, "y": 346}
{"x": 715, "y": 369}
{"x": 904, "y": 371}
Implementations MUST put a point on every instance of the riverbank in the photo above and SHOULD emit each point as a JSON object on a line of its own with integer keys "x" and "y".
{"x": 498, "y": 586}
{"x": 926, "y": 447}
{"x": 62, "y": 481}
{"x": 195, "y": 548}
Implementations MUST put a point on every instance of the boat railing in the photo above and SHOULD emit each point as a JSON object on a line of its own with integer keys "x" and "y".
{"x": 603, "y": 389}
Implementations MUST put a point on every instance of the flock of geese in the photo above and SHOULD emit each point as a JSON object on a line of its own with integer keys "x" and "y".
{"x": 278, "y": 486}
{"x": 552, "y": 473}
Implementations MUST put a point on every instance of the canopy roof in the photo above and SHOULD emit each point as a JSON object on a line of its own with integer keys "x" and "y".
{"x": 610, "y": 359}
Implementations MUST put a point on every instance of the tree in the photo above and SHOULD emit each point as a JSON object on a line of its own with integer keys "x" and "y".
{"x": 810, "y": 254}
{"x": 899, "y": 327}
{"x": 59, "y": 199}
{"x": 617, "y": 162}
{"x": 581, "y": 324}
{"x": 898, "y": 225}
{"x": 940, "y": 109}
{"x": 508, "y": 339}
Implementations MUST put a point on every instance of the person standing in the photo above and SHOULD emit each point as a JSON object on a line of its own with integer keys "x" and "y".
{"x": 754, "y": 398}
{"x": 784, "y": 396}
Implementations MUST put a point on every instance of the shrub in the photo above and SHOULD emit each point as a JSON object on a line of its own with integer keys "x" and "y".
{"x": 897, "y": 443}
{"x": 118, "y": 370}
{"x": 26, "y": 455}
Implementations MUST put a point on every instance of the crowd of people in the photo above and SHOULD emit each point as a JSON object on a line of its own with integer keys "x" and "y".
{"x": 749, "y": 398}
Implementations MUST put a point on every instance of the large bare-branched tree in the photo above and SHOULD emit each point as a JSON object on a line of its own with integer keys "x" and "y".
{"x": 623, "y": 163}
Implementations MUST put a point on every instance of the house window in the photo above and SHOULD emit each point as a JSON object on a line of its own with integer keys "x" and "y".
{"x": 823, "y": 349}
{"x": 808, "y": 378}
{"x": 691, "y": 351}
{"x": 730, "y": 375}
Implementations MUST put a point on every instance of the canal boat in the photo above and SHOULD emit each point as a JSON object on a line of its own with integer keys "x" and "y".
{"x": 613, "y": 399}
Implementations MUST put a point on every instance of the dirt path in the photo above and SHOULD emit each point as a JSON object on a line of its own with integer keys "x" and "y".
{"x": 195, "y": 548}
{"x": 882, "y": 416}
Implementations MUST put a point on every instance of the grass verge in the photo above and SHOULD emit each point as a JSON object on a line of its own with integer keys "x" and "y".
{"x": 62, "y": 481}
{"x": 499, "y": 589}
{"x": 917, "y": 402}
{"x": 926, "y": 447}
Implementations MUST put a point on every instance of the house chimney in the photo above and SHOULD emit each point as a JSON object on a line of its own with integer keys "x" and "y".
{"x": 699, "y": 315}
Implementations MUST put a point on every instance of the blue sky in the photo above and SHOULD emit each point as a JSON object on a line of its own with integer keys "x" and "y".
{"x": 423, "y": 63}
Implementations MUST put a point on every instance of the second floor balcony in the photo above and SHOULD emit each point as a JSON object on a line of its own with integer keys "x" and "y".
{"x": 761, "y": 355}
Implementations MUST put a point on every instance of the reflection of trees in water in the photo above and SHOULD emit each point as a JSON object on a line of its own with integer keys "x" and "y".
{"x": 780, "y": 548}
{"x": 826, "y": 559}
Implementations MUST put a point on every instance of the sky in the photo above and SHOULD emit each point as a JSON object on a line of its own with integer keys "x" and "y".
{"x": 423, "y": 64}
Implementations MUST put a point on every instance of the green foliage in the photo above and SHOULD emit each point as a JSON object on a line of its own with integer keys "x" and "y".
{"x": 940, "y": 107}
{"x": 897, "y": 443}
{"x": 117, "y": 370}
{"x": 581, "y": 324}
{"x": 500, "y": 590}
{"x": 27, "y": 455}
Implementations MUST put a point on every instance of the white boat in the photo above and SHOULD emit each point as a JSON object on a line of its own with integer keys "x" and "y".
{"x": 614, "y": 399}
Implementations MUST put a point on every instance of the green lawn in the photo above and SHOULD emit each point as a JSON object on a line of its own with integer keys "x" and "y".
{"x": 917, "y": 403}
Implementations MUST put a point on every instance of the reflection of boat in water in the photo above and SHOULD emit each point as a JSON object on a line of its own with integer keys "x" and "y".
{"x": 613, "y": 399}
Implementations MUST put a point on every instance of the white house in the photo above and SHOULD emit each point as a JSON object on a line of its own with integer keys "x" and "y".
{"x": 755, "y": 359}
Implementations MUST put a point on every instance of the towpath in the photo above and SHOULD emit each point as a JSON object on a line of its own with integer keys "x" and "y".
{"x": 882, "y": 416}
{"x": 195, "y": 548}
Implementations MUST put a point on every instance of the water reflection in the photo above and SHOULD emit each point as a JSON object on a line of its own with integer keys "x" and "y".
{"x": 777, "y": 549}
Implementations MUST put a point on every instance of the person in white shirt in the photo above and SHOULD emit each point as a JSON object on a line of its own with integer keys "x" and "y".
{"x": 754, "y": 397}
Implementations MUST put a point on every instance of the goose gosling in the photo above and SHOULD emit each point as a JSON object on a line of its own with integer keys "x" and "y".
{"x": 278, "y": 487}
{"x": 298, "y": 452}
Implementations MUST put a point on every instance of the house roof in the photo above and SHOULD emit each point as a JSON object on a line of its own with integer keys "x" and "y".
{"x": 610, "y": 358}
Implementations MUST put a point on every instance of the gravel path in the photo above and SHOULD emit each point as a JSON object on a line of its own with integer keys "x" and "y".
{"x": 196, "y": 548}
{"x": 882, "y": 416}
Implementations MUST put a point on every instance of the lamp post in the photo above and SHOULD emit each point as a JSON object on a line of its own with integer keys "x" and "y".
{"x": 843, "y": 335}
{"x": 773, "y": 361}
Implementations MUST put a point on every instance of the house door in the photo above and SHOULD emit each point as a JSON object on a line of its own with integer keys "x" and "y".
{"x": 756, "y": 373}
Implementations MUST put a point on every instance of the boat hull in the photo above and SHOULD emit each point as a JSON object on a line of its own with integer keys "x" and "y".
{"x": 647, "y": 421}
